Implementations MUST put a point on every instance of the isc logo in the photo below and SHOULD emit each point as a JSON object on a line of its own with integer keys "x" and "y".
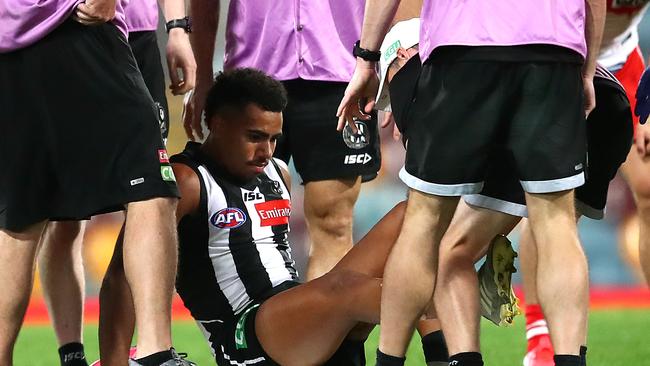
{"x": 357, "y": 159}
{"x": 228, "y": 218}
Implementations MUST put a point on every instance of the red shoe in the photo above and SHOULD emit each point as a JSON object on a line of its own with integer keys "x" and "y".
{"x": 132, "y": 352}
{"x": 541, "y": 353}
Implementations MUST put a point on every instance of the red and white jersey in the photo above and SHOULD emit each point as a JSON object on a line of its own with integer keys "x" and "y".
{"x": 621, "y": 35}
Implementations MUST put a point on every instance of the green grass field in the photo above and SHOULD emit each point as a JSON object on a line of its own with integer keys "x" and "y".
{"x": 616, "y": 337}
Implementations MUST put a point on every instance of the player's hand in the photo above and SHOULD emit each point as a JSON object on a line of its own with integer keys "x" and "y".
{"x": 180, "y": 59}
{"x": 389, "y": 120}
{"x": 362, "y": 89}
{"x": 94, "y": 12}
{"x": 590, "y": 94}
{"x": 193, "y": 105}
{"x": 642, "y": 141}
{"x": 642, "y": 108}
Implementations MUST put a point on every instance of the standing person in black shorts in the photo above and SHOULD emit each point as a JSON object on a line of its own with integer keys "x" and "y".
{"x": 501, "y": 204}
{"x": 306, "y": 45}
{"x": 60, "y": 257}
{"x": 102, "y": 155}
{"x": 514, "y": 74}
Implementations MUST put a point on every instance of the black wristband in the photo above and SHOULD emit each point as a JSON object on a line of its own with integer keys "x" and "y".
{"x": 184, "y": 23}
{"x": 365, "y": 54}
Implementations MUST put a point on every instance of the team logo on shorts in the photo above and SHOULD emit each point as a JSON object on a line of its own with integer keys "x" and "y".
{"x": 228, "y": 218}
{"x": 359, "y": 140}
{"x": 161, "y": 119}
{"x": 167, "y": 173}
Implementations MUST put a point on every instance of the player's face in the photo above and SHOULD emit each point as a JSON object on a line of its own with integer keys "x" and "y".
{"x": 247, "y": 140}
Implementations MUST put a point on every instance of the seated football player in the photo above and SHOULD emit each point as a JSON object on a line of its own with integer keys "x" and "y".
{"x": 236, "y": 274}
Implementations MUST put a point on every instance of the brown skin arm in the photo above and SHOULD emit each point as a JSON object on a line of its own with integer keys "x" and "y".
{"x": 408, "y": 9}
{"x": 117, "y": 316}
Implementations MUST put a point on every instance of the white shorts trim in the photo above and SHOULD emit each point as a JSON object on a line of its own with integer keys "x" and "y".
{"x": 495, "y": 204}
{"x": 553, "y": 185}
{"x": 588, "y": 211}
{"x": 439, "y": 189}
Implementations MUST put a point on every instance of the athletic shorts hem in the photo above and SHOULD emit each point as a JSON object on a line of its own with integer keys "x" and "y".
{"x": 450, "y": 190}
{"x": 333, "y": 176}
{"x": 589, "y": 211}
{"x": 495, "y": 204}
{"x": 553, "y": 185}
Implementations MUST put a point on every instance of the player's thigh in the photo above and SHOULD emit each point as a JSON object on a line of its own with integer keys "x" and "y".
{"x": 331, "y": 200}
{"x": 636, "y": 171}
{"x": 306, "y": 324}
{"x": 473, "y": 228}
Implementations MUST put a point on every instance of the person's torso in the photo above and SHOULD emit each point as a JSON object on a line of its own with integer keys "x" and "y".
{"x": 235, "y": 249}
{"x": 142, "y": 15}
{"x": 621, "y": 35}
{"x": 307, "y": 39}
{"x": 502, "y": 23}
{"x": 23, "y": 23}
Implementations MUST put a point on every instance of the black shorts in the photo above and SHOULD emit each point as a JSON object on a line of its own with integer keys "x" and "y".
{"x": 320, "y": 152}
{"x": 609, "y": 136}
{"x": 465, "y": 110}
{"x": 79, "y": 132}
{"x": 147, "y": 54}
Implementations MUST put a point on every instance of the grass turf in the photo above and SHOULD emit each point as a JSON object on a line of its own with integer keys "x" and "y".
{"x": 616, "y": 337}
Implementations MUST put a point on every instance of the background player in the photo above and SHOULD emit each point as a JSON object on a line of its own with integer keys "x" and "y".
{"x": 306, "y": 45}
{"x": 60, "y": 257}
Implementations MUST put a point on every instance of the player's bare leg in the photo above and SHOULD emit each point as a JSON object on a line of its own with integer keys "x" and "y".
{"x": 150, "y": 259}
{"x": 61, "y": 268}
{"x": 411, "y": 269}
{"x": 636, "y": 170}
{"x": 116, "y": 319}
{"x": 18, "y": 256}
{"x": 457, "y": 291}
{"x": 347, "y": 295}
{"x": 562, "y": 278}
{"x": 329, "y": 206}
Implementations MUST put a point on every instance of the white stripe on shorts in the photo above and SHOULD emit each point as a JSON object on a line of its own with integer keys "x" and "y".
{"x": 439, "y": 189}
{"x": 553, "y": 185}
{"x": 495, "y": 204}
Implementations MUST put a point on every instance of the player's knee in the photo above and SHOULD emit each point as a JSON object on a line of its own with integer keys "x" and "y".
{"x": 460, "y": 246}
{"x": 335, "y": 224}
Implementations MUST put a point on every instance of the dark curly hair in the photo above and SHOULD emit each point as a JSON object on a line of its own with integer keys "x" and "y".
{"x": 238, "y": 87}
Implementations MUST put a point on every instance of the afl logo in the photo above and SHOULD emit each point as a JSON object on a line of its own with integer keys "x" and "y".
{"x": 359, "y": 140}
{"x": 228, "y": 218}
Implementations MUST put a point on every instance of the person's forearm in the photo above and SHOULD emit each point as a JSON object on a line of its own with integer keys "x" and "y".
{"x": 205, "y": 16}
{"x": 408, "y": 9}
{"x": 377, "y": 18}
{"x": 595, "y": 23}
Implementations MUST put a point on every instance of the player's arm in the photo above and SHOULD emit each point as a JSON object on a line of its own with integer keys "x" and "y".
{"x": 408, "y": 9}
{"x": 180, "y": 60}
{"x": 284, "y": 169}
{"x": 205, "y": 15}
{"x": 595, "y": 24}
{"x": 189, "y": 188}
{"x": 364, "y": 83}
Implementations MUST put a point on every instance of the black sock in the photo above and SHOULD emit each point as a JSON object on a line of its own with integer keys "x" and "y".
{"x": 567, "y": 360}
{"x": 583, "y": 355}
{"x": 72, "y": 354}
{"x": 156, "y": 359}
{"x": 466, "y": 359}
{"x": 387, "y": 360}
{"x": 349, "y": 353}
{"x": 435, "y": 348}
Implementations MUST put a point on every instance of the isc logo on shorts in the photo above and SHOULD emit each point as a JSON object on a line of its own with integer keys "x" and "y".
{"x": 228, "y": 218}
{"x": 357, "y": 159}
